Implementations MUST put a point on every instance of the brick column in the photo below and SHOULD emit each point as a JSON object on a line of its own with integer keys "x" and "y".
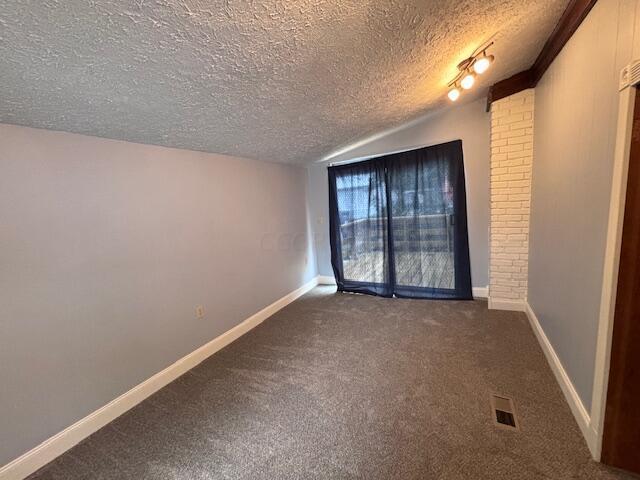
{"x": 510, "y": 186}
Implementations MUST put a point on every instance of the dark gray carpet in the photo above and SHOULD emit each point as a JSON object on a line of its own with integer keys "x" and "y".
{"x": 340, "y": 386}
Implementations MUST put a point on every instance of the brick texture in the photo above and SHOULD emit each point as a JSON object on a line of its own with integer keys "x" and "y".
{"x": 510, "y": 185}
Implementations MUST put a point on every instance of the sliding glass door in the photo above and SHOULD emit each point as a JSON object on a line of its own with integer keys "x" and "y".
{"x": 398, "y": 224}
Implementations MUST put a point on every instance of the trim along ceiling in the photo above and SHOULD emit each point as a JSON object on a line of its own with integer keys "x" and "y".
{"x": 276, "y": 80}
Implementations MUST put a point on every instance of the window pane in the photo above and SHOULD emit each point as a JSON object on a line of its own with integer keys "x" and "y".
{"x": 423, "y": 213}
{"x": 362, "y": 212}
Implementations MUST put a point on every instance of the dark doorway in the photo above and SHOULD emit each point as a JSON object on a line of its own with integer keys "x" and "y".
{"x": 621, "y": 435}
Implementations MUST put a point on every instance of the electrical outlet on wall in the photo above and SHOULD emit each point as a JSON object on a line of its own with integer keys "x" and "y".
{"x": 199, "y": 311}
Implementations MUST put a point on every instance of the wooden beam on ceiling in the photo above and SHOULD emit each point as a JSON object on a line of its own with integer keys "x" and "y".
{"x": 569, "y": 22}
{"x": 509, "y": 86}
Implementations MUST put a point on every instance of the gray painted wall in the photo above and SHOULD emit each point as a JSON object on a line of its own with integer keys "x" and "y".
{"x": 576, "y": 106}
{"x": 468, "y": 122}
{"x": 106, "y": 248}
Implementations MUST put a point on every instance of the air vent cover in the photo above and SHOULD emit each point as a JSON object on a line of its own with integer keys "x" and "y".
{"x": 630, "y": 75}
{"x": 634, "y": 73}
{"x": 503, "y": 411}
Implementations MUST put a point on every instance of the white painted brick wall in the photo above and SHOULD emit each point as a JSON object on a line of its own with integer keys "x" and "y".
{"x": 510, "y": 185}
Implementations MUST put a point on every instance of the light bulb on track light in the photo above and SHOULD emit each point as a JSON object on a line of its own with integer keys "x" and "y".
{"x": 468, "y": 81}
{"x": 482, "y": 64}
{"x": 453, "y": 94}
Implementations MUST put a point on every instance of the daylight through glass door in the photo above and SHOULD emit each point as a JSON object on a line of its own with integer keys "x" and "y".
{"x": 398, "y": 224}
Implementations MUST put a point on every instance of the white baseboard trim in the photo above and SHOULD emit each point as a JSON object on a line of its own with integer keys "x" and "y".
{"x": 326, "y": 280}
{"x": 506, "y": 304}
{"x": 56, "y": 445}
{"x": 573, "y": 399}
{"x": 480, "y": 292}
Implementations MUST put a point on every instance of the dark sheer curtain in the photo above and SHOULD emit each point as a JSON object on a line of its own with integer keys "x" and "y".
{"x": 399, "y": 224}
{"x": 358, "y": 196}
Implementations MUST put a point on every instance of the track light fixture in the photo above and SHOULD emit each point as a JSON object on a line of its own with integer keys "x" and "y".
{"x": 468, "y": 69}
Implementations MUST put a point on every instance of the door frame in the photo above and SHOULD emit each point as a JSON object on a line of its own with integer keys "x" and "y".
{"x": 611, "y": 266}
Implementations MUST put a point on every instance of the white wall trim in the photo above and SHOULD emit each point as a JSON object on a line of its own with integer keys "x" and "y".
{"x": 506, "y": 304}
{"x": 611, "y": 263}
{"x": 326, "y": 280}
{"x": 480, "y": 292}
{"x": 570, "y": 394}
{"x": 56, "y": 445}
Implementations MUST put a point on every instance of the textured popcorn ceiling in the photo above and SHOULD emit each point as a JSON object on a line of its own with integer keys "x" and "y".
{"x": 280, "y": 80}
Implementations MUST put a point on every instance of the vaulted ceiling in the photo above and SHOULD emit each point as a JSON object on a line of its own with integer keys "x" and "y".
{"x": 277, "y": 80}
